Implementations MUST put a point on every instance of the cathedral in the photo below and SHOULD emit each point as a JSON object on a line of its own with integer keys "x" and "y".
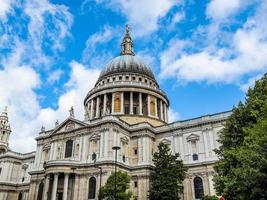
{"x": 127, "y": 110}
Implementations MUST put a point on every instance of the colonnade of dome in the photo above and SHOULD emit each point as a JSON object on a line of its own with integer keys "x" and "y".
{"x": 132, "y": 98}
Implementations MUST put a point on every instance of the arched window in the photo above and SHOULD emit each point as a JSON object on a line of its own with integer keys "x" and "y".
{"x": 20, "y": 196}
{"x": 40, "y": 191}
{"x": 198, "y": 186}
{"x": 92, "y": 188}
{"x": 152, "y": 106}
{"x": 68, "y": 149}
{"x": 117, "y": 102}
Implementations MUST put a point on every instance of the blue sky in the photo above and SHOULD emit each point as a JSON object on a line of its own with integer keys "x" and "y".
{"x": 205, "y": 54}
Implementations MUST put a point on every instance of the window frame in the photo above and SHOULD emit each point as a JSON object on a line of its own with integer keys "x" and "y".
{"x": 69, "y": 144}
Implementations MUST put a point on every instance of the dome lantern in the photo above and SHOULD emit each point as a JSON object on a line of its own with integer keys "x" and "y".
{"x": 127, "y": 43}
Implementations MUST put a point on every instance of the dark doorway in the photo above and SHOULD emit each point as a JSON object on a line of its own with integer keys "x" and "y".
{"x": 40, "y": 191}
{"x": 60, "y": 196}
{"x": 20, "y": 196}
{"x": 198, "y": 186}
{"x": 92, "y": 188}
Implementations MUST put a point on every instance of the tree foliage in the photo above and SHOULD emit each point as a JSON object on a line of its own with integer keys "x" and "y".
{"x": 209, "y": 197}
{"x": 123, "y": 185}
{"x": 167, "y": 175}
{"x": 242, "y": 168}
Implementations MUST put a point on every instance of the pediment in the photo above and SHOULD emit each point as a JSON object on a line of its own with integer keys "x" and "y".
{"x": 192, "y": 137}
{"x": 68, "y": 125}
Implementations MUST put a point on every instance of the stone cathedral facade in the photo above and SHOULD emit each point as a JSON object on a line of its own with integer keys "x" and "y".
{"x": 126, "y": 108}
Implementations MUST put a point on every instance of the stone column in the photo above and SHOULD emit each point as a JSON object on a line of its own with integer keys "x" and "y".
{"x": 92, "y": 109}
{"x": 46, "y": 186}
{"x": 161, "y": 110}
{"x": 32, "y": 190}
{"x": 167, "y": 116}
{"x": 97, "y": 106}
{"x": 105, "y": 104}
{"x": 140, "y": 104}
{"x": 156, "y": 107}
{"x": 54, "y": 191}
{"x": 122, "y": 102}
{"x": 148, "y": 105}
{"x": 165, "y": 112}
{"x": 88, "y": 111}
{"x": 66, "y": 183}
{"x": 112, "y": 103}
{"x": 76, "y": 187}
{"x": 131, "y": 103}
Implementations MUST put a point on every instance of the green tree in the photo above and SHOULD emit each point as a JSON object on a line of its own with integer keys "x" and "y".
{"x": 123, "y": 185}
{"x": 167, "y": 175}
{"x": 239, "y": 169}
{"x": 209, "y": 197}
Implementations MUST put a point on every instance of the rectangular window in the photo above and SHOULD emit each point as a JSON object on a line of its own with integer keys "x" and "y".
{"x": 194, "y": 146}
{"x": 135, "y": 152}
{"x": 68, "y": 148}
{"x": 195, "y": 157}
{"x": 135, "y": 184}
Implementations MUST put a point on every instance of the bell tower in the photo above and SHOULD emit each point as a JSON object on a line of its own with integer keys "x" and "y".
{"x": 4, "y": 131}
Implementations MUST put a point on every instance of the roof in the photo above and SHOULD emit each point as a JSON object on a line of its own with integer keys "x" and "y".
{"x": 127, "y": 64}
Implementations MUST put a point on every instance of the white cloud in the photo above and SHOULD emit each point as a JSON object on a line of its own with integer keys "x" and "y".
{"x": 218, "y": 9}
{"x": 18, "y": 76}
{"x": 54, "y": 76}
{"x": 250, "y": 83}
{"x": 17, "y": 84}
{"x": 143, "y": 16}
{"x": 81, "y": 80}
{"x": 103, "y": 36}
{"x": 245, "y": 54}
{"x": 25, "y": 113}
{"x": 179, "y": 16}
{"x": 173, "y": 115}
{"x": 5, "y": 8}
{"x": 94, "y": 56}
{"x": 40, "y": 27}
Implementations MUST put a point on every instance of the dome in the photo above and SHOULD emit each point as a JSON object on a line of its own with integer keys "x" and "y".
{"x": 127, "y": 89}
{"x": 127, "y": 64}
